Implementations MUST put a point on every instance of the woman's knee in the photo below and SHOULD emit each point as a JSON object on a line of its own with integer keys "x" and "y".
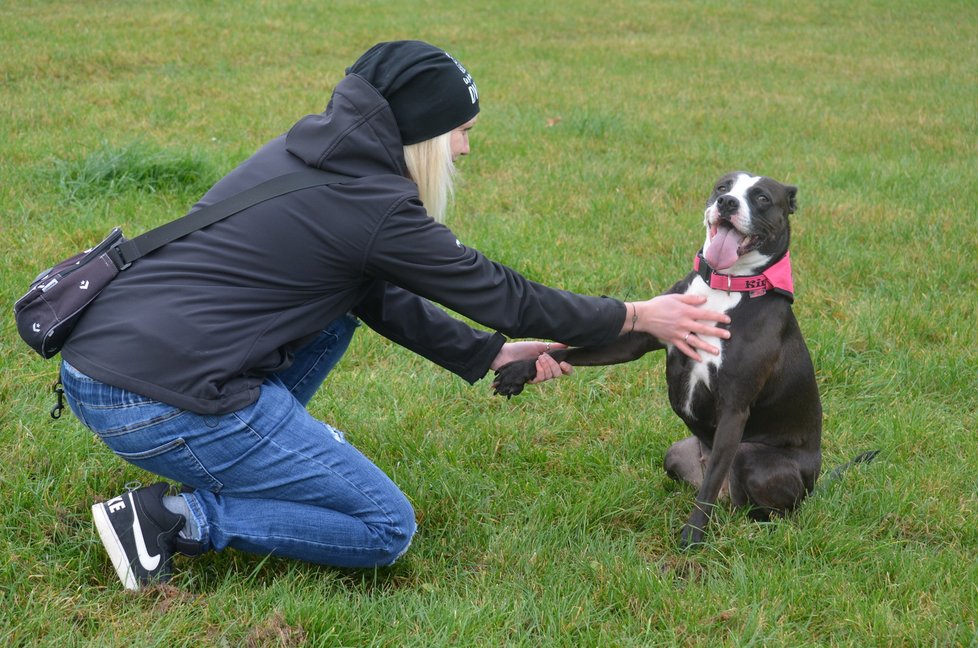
{"x": 399, "y": 532}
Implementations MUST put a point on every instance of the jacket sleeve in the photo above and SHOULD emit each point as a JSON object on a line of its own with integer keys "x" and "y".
{"x": 417, "y": 324}
{"x": 425, "y": 258}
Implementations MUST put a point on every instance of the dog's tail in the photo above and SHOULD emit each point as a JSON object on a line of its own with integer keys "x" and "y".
{"x": 861, "y": 458}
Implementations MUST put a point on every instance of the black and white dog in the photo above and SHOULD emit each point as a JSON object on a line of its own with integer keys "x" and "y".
{"x": 754, "y": 410}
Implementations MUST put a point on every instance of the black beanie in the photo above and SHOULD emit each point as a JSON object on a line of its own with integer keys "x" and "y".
{"x": 429, "y": 92}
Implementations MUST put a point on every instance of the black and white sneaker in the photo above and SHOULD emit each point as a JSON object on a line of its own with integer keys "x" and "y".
{"x": 138, "y": 532}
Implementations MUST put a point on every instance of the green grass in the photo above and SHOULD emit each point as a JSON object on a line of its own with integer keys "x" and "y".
{"x": 108, "y": 174}
{"x": 545, "y": 520}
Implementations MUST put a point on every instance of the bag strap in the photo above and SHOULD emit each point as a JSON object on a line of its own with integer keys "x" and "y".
{"x": 128, "y": 251}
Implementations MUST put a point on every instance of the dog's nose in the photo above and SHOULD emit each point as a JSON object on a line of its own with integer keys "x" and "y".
{"x": 727, "y": 205}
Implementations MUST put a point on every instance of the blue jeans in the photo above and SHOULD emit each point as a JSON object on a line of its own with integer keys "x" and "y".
{"x": 269, "y": 478}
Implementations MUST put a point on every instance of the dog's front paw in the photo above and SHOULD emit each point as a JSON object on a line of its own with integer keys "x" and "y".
{"x": 690, "y": 538}
{"x": 511, "y": 378}
{"x": 692, "y": 534}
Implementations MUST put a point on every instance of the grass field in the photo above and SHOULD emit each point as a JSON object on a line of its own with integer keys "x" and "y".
{"x": 545, "y": 520}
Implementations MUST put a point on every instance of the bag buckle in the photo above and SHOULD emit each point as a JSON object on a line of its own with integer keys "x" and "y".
{"x": 115, "y": 254}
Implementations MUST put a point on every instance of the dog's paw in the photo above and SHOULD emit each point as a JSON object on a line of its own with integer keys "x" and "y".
{"x": 691, "y": 538}
{"x": 694, "y": 530}
{"x": 511, "y": 378}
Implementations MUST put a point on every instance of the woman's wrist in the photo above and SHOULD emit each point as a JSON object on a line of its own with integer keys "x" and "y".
{"x": 631, "y": 318}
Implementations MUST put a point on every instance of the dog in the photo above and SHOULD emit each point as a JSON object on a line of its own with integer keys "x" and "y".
{"x": 753, "y": 410}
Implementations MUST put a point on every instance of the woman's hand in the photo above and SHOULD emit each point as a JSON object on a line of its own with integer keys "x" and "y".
{"x": 547, "y": 367}
{"x": 678, "y": 320}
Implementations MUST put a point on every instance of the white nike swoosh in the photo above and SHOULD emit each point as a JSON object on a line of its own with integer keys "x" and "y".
{"x": 148, "y": 562}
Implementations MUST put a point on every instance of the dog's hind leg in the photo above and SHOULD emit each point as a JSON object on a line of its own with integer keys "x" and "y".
{"x": 767, "y": 480}
{"x": 686, "y": 462}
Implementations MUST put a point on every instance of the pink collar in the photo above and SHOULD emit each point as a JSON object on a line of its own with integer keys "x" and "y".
{"x": 776, "y": 277}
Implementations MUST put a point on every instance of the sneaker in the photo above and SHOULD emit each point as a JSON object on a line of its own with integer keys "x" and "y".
{"x": 137, "y": 532}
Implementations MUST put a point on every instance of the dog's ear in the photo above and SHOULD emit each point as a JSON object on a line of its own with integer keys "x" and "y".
{"x": 792, "y": 203}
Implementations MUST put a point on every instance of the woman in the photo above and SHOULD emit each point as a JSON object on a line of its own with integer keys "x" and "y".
{"x": 196, "y": 364}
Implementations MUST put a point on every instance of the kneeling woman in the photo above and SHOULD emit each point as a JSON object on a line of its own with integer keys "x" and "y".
{"x": 196, "y": 364}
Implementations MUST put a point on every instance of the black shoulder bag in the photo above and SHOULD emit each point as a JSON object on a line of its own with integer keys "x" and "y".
{"x": 56, "y": 299}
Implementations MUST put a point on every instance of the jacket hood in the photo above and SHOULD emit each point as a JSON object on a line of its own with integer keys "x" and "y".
{"x": 356, "y": 134}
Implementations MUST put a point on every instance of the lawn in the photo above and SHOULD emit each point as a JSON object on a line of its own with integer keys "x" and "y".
{"x": 545, "y": 520}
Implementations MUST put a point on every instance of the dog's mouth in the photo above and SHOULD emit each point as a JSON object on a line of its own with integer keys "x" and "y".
{"x": 727, "y": 244}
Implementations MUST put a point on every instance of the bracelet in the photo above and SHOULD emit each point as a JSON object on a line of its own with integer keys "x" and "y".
{"x": 634, "y": 317}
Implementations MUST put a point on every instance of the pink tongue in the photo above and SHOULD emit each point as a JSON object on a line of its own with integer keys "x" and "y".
{"x": 722, "y": 251}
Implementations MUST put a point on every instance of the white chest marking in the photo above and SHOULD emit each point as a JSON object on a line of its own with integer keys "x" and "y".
{"x": 717, "y": 300}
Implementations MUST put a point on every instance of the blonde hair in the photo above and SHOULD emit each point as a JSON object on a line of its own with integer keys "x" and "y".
{"x": 430, "y": 165}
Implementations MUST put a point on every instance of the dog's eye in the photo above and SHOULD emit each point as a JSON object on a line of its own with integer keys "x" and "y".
{"x": 762, "y": 199}
{"x": 721, "y": 188}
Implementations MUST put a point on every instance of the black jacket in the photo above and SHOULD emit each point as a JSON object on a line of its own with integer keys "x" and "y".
{"x": 200, "y": 322}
